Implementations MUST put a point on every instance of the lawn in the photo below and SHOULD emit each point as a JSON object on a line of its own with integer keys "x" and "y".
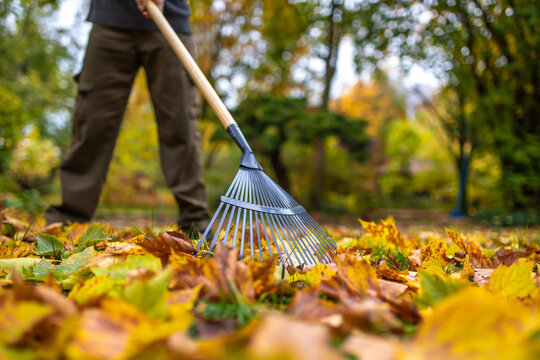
{"x": 98, "y": 291}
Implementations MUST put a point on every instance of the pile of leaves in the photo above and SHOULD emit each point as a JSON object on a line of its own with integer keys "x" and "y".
{"x": 88, "y": 291}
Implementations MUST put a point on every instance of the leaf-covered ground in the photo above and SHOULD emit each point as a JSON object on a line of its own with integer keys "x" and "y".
{"x": 89, "y": 291}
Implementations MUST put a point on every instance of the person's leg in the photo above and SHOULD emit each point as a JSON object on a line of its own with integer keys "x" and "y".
{"x": 109, "y": 67}
{"x": 176, "y": 105}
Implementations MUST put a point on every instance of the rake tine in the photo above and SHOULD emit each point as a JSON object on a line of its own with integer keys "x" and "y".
{"x": 299, "y": 239}
{"x": 231, "y": 216}
{"x": 323, "y": 235}
{"x": 203, "y": 237}
{"x": 283, "y": 236}
{"x": 311, "y": 238}
{"x": 277, "y": 245}
{"x": 216, "y": 234}
{"x": 320, "y": 236}
{"x": 295, "y": 241}
{"x": 240, "y": 197}
{"x": 261, "y": 201}
{"x": 243, "y": 235}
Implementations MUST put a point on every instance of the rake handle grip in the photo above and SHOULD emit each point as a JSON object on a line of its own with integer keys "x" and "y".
{"x": 191, "y": 66}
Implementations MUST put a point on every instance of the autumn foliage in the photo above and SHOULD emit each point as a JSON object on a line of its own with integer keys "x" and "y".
{"x": 89, "y": 291}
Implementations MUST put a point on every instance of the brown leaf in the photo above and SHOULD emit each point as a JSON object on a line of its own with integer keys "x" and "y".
{"x": 481, "y": 276}
{"x": 508, "y": 256}
{"x": 54, "y": 229}
{"x": 183, "y": 347}
{"x": 43, "y": 294}
{"x": 391, "y": 289}
{"x": 476, "y": 256}
{"x": 162, "y": 245}
{"x": 262, "y": 273}
{"x": 283, "y": 338}
{"x": 415, "y": 259}
{"x": 223, "y": 276}
{"x": 370, "y": 315}
{"x": 307, "y": 305}
{"x": 365, "y": 346}
{"x": 385, "y": 272}
{"x": 235, "y": 273}
{"x": 354, "y": 280}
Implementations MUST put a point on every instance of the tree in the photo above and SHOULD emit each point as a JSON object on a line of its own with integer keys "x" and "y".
{"x": 33, "y": 83}
{"x": 378, "y": 103}
{"x": 486, "y": 51}
{"x": 273, "y": 121}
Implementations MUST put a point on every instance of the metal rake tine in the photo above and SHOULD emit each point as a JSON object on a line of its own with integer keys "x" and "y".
{"x": 203, "y": 237}
{"x": 275, "y": 242}
{"x": 261, "y": 201}
{"x": 240, "y": 197}
{"x": 218, "y": 229}
{"x": 281, "y": 236}
{"x": 298, "y": 236}
{"x": 273, "y": 200}
{"x": 312, "y": 239}
{"x": 319, "y": 234}
{"x": 323, "y": 233}
{"x": 316, "y": 229}
{"x": 295, "y": 240}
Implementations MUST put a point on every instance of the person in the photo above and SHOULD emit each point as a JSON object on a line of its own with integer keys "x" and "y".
{"x": 122, "y": 40}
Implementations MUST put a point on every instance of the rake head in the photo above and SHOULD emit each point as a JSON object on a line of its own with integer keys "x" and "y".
{"x": 259, "y": 217}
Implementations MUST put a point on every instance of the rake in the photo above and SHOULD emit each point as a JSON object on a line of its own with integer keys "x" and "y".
{"x": 256, "y": 214}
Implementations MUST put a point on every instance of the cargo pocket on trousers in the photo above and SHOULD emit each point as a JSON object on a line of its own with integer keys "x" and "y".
{"x": 81, "y": 110}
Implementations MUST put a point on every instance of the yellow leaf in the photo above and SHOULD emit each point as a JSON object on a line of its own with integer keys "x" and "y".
{"x": 514, "y": 281}
{"x": 314, "y": 276}
{"x": 467, "y": 270}
{"x": 476, "y": 257}
{"x": 472, "y": 324}
{"x": 435, "y": 250}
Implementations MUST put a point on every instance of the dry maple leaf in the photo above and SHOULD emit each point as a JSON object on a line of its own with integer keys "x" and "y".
{"x": 162, "y": 245}
{"x": 476, "y": 256}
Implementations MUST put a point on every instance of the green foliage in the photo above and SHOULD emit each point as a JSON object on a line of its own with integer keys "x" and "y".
{"x": 149, "y": 295}
{"x": 486, "y": 52}
{"x": 241, "y": 313}
{"x": 34, "y": 160}
{"x": 18, "y": 264}
{"x": 49, "y": 245}
{"x": 270, "y": 122}
{"x": 33, "y": 82}
{"x": 133, "y": 262}
{"x": 93, "y": 235}
{"x": 72, "y": 264}
{"x": 435, "y": 288}
{"x": 26, "y": 200}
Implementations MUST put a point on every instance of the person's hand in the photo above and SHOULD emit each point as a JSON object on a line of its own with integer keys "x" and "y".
{"x": 141, "y": 4}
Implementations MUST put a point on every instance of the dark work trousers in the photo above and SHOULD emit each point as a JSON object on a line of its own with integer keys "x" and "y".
{"x": 113, "y": 57}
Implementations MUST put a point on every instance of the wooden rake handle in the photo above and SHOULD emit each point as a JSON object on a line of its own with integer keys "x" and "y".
{"x": 191, "y": 66}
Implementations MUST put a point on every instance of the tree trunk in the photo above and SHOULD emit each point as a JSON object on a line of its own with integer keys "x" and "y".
{"x": 281, "y": 171}
{"x": 330, "y": 60}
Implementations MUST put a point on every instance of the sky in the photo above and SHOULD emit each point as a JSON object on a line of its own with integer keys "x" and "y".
{"x": 72, "y": 15}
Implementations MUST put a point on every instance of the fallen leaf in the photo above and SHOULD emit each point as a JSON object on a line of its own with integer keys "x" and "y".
{"x": 508, "y": 256}
{"x": 514, "y": 281}
{"x": 476, "y": 256}
{"x": 281, "y": 338}
{"x": 162, "y": 245}
{"x": 366, "y": 346}
{"x": 471, "y": 325}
